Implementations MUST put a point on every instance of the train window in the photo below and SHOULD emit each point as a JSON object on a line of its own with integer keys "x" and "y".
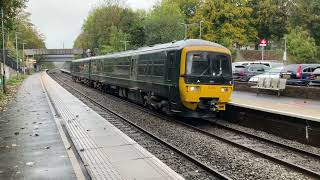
{"x": 158, "y": 70}
{"x": 142, "y": 67}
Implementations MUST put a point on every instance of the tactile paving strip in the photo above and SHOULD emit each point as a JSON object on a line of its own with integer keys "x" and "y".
{"x": 96, "y": 160}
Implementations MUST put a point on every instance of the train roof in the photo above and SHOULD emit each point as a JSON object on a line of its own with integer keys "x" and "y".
{"x": 175, "y": 45}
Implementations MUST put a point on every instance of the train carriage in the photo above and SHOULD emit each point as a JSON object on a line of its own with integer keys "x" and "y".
{"x": 190, "y": 78}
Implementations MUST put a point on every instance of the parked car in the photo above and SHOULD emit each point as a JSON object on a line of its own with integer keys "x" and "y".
{"x": 249, "y": 71}
{"x": 272, "y": 73}
{"x": 315, "y": 77}
{"x": 271, "y": 64}
{"x": 299, "y": 74}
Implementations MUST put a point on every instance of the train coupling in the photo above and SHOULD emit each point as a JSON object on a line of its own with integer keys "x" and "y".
{"x": 211, "y": 104}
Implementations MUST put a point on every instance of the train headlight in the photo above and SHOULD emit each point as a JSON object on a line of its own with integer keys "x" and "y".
{"x": 194, "y": 88}
{"x": 224, "y": 89}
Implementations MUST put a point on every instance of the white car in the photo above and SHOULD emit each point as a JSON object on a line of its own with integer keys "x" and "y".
{"x": 270, "y": 63}
{"x": 273, "y": 73}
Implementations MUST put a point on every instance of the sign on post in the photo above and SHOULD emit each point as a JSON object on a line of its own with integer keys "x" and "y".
{"x": 263, "y": 42}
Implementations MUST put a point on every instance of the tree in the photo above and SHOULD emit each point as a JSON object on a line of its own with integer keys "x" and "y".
{"x": 26, "y": 32}
{"x": 306, "y": 14}
{"x": 108, "y": 23}
{"x": 188, "y": 7}
{"x": 163, "y": 24}
{"x": 225, "y": 22}
{"x": 11, "y": 9}
{"x": 302, "y": 46}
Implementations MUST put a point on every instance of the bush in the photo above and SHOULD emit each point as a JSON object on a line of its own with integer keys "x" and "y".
{"x": 302, "y": 46}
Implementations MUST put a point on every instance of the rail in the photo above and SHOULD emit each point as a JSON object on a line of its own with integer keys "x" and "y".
{"x": 171, "y": 146}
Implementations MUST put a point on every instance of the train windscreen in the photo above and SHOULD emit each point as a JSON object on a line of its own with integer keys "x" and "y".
{"x": 208, "y": 67}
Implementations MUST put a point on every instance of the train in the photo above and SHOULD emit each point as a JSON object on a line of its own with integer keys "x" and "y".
{"x": 187, "y": 78}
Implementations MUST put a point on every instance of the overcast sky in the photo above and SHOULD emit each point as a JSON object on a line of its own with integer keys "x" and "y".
{"x": 60, "y": 21}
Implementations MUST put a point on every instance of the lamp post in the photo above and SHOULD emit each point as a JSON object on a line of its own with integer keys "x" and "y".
{"x": 3, "y": 54}
{"x": 201, "y": 29}
{"x": 285, "y": 50}
{"x": 23, "y": 62}
{"x": 17, "y": 54}
{"x": 185, "y": 30}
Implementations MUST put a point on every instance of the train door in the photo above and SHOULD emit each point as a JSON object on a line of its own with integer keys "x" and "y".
{"x": 133, "y": 68}
{"x": 171, "y": 56}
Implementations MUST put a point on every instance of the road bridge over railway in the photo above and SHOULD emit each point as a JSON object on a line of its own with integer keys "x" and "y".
{"x": 52, "y": 55}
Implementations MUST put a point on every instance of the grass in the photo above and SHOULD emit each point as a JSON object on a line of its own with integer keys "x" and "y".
{"x": 11, "y": 87}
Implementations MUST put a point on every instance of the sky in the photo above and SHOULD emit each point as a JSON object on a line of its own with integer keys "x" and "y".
{"x": 60, "y": 21}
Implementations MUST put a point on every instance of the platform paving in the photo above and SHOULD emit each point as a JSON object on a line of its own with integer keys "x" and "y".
{"x": 30, "y": 144}
{"x": 106, "y": 152}
{"x": 293, "y": 107}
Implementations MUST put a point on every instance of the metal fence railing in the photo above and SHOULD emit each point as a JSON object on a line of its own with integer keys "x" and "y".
{"x": 10, "y": 61}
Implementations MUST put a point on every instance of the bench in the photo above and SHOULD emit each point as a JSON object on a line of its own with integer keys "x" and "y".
{"x": 275, "y": 84}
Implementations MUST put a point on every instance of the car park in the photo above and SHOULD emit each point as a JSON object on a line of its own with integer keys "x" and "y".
{"x": 249, "y": 71}
{"x": 273, "y": 73}
{"x": 299, "y": 74}
{"x": 315, "y": 77}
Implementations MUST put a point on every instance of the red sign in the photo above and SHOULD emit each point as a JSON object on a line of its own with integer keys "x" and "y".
{"x": 263, "y": 42}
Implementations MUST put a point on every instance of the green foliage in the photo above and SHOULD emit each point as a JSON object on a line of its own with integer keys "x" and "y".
{"x": 11, "y": 9}
{"x": 48, "y": 65}
{"x": 271, "y": 17}
{"x": 163, "y": 24}
{"x": 306, "y": 14}
{"x": 302, "y": 46}
{"x": 14, "y": 81}
{"x": 188, "y": 7}
{"x": 225, "y": 22}
{"x": 17, "y": 20}
{"x": 236, "y": 22}
{"x": 108, "y": 25}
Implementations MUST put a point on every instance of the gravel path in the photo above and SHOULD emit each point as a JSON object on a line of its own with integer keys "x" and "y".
{"x": 230, "y": 160}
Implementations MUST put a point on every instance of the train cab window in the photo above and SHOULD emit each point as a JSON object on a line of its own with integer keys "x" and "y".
{"x": 208, "y": 64}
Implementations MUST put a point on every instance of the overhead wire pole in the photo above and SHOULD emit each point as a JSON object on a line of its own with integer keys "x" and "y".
{"x": 125, "y": 44}
{"x": 3, "y": 54}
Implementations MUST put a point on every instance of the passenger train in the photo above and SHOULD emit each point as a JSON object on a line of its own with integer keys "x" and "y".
{"x": 189, "y": 78}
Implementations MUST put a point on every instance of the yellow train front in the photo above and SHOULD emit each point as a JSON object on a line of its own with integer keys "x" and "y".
{"x": 190, "y": 78}
{"x": 205, "y": 82}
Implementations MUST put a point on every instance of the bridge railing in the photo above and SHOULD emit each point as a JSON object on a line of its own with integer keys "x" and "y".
{"x": 30, "y": 52}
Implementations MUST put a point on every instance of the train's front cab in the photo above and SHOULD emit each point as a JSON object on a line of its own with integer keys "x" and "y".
{"x": 205, "y": 81}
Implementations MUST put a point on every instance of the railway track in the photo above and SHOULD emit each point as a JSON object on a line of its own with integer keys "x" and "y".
{"x": 238, "y": 139}
{"x": 171, "y": 146}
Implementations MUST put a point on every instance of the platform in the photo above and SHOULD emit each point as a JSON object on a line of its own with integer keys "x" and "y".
{"x": 293, "y": 107}
{"x": 106, "y": 152}
{"x": 31, "y": 146}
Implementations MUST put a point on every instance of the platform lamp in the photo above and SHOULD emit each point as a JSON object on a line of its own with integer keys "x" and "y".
{"x": 17, "y": 53}
{"x": 201, "y": 28}
{"x": 185, "y": 30}
{"x": 23, "y": 61}
{"x": 3, "y": 53}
